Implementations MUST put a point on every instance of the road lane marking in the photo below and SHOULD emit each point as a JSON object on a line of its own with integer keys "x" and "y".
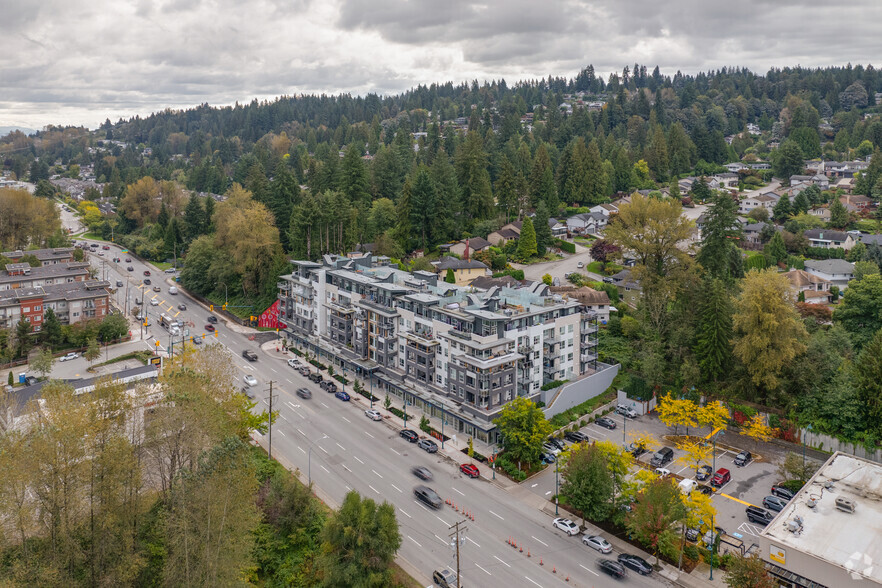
{"x": 421, "y": 506}
{"x": 324, "y": 468}
{"x": 323, "y": 449}
{"x": 587, "y": 570}
{"x": 284, "y": 417}
{"x": 273, "y": 370}
{"x": 441, "y": 540}
{"x": 301, "y": 432}
{"x": 534, "y": 485}
{"x": 458, "y": 492}
{"x": 345, "y": 468}
{"x": 483, "y": 570}
{"x": 396, "y": 487}
{"x": 470, "y": 539}
{"x": 300, "y": 414}
{"x": 735, "y": 499}
{"x": 369, "y": 435}
{"x": 414, "y": 540}
{"x": 502, "y": 562}
{"x": 378, "y": 473}
{"x": 533, "y": 581}
{"x": 341, "y": 447}
{"x": 374, "y": 489}
{"x": 345, "y": 419}
{"x": 496, "y": 515}
{"x": 540, "y": 540}
{"x": 282, "y": 433}
{"x": 547, "y": 493}
{"x": 325, "y": 405}
{"x": 289, "y": 381}
{"x": 393, "y": 449}
{"x": 358, "y": 460}
{"x": 442, "y": 520}
{"x": 405, "y": 514}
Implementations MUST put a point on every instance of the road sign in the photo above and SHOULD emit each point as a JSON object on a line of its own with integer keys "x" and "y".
{"x": 157, "y": 361}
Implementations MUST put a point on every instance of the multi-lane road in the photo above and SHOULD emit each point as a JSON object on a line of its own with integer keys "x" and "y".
{"x": 338, "y": 448}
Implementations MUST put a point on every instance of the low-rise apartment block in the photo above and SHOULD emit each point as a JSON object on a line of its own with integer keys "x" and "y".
{"x": 72, "y": 302}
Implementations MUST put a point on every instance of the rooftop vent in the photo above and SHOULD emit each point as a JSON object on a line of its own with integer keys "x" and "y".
{"x": 845, "y": 505}
{"x": 828, "y": 484}
{"x": 794, "y": 527}
{"x": 811, "y": 502}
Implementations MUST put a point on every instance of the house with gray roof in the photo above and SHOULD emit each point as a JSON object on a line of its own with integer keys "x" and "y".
{"x": 836, "y": 271}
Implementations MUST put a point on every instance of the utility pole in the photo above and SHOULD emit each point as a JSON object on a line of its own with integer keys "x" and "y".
{"x": 270, "y": 400}
{"x": 455, "y": 536}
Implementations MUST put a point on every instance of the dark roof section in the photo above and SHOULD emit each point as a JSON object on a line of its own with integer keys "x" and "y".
{"x": 458, "y": 264}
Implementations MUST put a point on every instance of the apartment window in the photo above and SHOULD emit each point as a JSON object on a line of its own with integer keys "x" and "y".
{"x": 570, "y": 357}
{"x": 76, "y": 314}
{"x": 26, "y": 309}
{"x": 536, "y": 340}
{"x": 563, "y": 330}
{"x": 570, "y": 329}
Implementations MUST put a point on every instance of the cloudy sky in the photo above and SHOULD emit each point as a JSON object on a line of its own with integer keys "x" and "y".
{"x": 81, "y": 61}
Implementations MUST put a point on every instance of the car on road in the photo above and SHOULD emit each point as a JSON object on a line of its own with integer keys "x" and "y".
{"x": 743, "y": 458}
{"x": 250, "y": 380}
{"x": 566, "y": 525}
{"x": 721, "y": 478}
{"x": 154, "y": 302}
{"x": 212, "y": 319}
{"x": 247, "y": 353}
{"x": 182, "y": 307}
{"x": 703, "y": 473}
{"x": 130, "y": 268}
{"x": 106, "y": 247}
{"x": 612, "y": 568}
{"x": 170, "y": 270}
{"x": 557, "y": 443}
{"x": 637, "y": 563}
{"x": 304, "y": 371}
{"x": 470, "y": 470}
{"x": 428, "y": 445}
{"x": 304, "y": 393}
{"x": 147, "y": 282}
{"x": 445, "y": 578}
{"x": 157, "y": 289}
{"x": 626, "y": 411}
{"x": 69, "y": 356}
{"x": 128, "y": 260}
{"x": 758, "y": 515}
{"x": 373, "y": 414}
{"x": 576, "y": 436}
{"x": 774, "y": 503}
{"x": 427, "y": 495}
{"x": 580, "y": 265}
{"x": 173, "y": 291}
{"x": 421, "y": 472}
{"x": 101, "y": 253}
{"x": 197, "y": 341}
{"x": 605, "y": 422}
{"x": 209, "y": 327}
{"x": 119, "y": 284}
{"x": 663, "y": 456}
{"x": 597, "y": 542}
{"x": 409, "y": 435}
{"x": 116, "y": 260}
{"x": 341, "y": 395}
{"x": 294, "y": 363}
{"x": 146, "y": 272}
{"x": 782, "y": 491}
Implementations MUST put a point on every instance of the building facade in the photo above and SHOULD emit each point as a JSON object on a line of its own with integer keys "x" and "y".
{"x": 454, "y": 352}
{"x": 72, "y": 302}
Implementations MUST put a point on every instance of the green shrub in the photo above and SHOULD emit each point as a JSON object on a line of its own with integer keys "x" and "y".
{"x": 691, "y": 551}
{"x": 516, "y": 274}
{"x": 565, "y": 245}
{"x": 553, "y": 384}
{"x": 794, "y": 485}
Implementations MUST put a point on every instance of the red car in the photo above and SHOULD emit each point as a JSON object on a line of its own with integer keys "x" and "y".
{"x": 106, "y": 247}
{"x": 146, "y": 272}
{"x": 469, "y": 470}
{"x": 209, "y": 327}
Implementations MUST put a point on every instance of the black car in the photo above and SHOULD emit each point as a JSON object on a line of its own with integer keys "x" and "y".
{"x": 704, "y": 473}
{"x": 782, "y": 492}
{"x": 421, "y": 473}
{"x": 427, "y": 495}
{"x": 429, "y": 445}
{"x": 774, "y": 503}
{"x": 605, "y": 422}
{"x": 409, "y": 435}
{"x": 576, "y": 436}
{"x": 758, "y": 515}
{"x": 743, "y": 458}
{"x": 147, "y": 281}
{"x": 249, "y": 355}
{"x": 182, "y": 307}
{"x": 636, "y": 449}
{"x": 705, "y": 489}
{"x": 636, "y": 563}
{"x": 692, "y": 535}
{"x": 613, "y": 568}
{"x": 130, "y": 269}
{"x": 663, "y": 456}
{"x": 212, "y": 319}
{"x": 304, "y": 393}
{"x": 557, "y": 443}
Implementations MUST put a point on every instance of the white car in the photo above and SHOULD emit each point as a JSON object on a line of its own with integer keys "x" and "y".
{"x": 250, "y": 380}
{"x": 567, "y": 526}
{"x": 662, "y": 472}
{"x": 69, "y": 356}
{"x": 294, "y": 363}
{"x": 173, "y": 291}
{"x": 580, "y": 265}
{"x": 597, "y": 542}
{"x": 687, "y": 485}
{"x": 154, "y": 302}
{"x": 374, "y": 415}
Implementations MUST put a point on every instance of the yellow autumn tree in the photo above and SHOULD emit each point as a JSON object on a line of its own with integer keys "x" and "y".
{"x": 700, "y": 510}
{"x": 713, "y": 414}
{"x": 694, "y": 454}
{"x": 757, "y": 429}
{"x": 676, "y": 412}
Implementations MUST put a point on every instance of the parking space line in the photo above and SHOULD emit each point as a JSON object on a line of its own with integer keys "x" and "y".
{"x": 404, "y": 513}
{"x": 358, "y": 460}
{"x": 396, "y": 487}
{"x": 733, "y": 498}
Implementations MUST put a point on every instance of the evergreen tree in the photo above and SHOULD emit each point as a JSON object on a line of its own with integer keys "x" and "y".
{"x": 719, "y": 253}
{"x": 701, "y": 191}
{"x": 353, "y": 179}
{"x": 450, "y": 278}
{"x": 657, "y": 155}
{"x": 800, "y": 203}
{"x": 527, "y": 241}
{"x": 681, "y": 150}
{"x": 788, "y": 160}
{"x": 839, "y": 218}
{"x": 542, "y": 186}
{"x": 544, "y": 239}
{"x": 776, "y": 249}
{"x": 284, "y": 194}
{"x": 594, "y": 179}
{"x": 623, "y": 171}
{"x": 256, "y": 183}
{"x": 449, "y": 197}
{"x": 51, "y": 331}
{"x": 867, "y": 375}
{"x": 209, "y": 213}
{"x": 713, "y": 349}
{"x": 573, "y": 171}
{"x": 507, "y": 189}
{"x": 781, "y": 211}
{"x": 420, "y": 200}
{"x": 162, "y": 218}
{"x": 194, "y": 219}
{"x": 474, "y": 179}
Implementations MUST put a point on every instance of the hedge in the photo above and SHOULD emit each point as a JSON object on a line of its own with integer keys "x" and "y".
{"x": 516, "y": 274}
{"x": 565, "y": 245}
{"x": 553, "y": 384}
{"x": 822, "y": 253}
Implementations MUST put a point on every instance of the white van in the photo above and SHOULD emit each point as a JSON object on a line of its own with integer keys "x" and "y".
{"x": 172, "y": 290}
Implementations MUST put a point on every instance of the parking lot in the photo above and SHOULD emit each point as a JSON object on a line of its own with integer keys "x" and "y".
{"x": 748, "y": 485}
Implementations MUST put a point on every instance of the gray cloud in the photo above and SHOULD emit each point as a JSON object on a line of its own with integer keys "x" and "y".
{"x": 79, "y": 62}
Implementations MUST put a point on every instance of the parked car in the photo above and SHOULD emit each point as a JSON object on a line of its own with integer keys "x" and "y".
{"x": 637, "y": 563}
{"x": 119, "y": 284}
{"x": 758, "y": 515}
{"x": 705, "y": 489}
{"x": 687, "y": 485}
{"x": 743, "y": 458}
{"x": 605, "y": 422}
{"x": 421, "y": 472}
{"x": 157, "y": 289}
{"x": 294, "y": 363}
{"x": 212, "y": 319}
{"x": 692, "y": 534}
{"x": 597, "y": 542}
{"x": 774, "y": 503}
{"x": 428, "y": 445}
{"x": 663, "y": 456}
{"x": 662, "y": 472}
{"x": 315, "y": 377}
{"x": 612, "y": 568}
{"x": 409, "y": 435}
{"x": 566, "y": 525}
{"x": 128, "y": 260}
{"x": 250, "y": 380}
{"x": 557, "y": 443}
{"x": 626, "y": 411}
{"x": 547, "y": 457}
{"x": 249, "y": 354}
{"x": 31, "y": 380}
{"x": 445, "y": 578}
{"x": 721, "y": 478}
{"x": 470, "y": 470}
{"x": 549, "y": 448}
{"x": 782, "y": 491}
{"x": 341, "y": 395}
{"x": 170, "y": 270}
{"x": 374, "y": 415}
{"x": 154, "y": 302}
{"x": 580, "y": 265}
{"x": 69, "y": 356}
{"x": 427, "y": 495}
{"x": 703, "y": 473}
{"x": 636, "y": 449}
{"x": 576, "y": 436}
{"x": 304, "y": 393}
{"x": 304, "y": 371}
{"x": 106, "y": 247}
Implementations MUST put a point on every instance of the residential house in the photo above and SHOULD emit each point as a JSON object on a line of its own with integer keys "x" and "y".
{"x": 724, "y": 181}
{"x": 587, "y": 222}
{"x": 604, "y": 209}
{"x": 752, "y": 232}
{"x": 855, "y": 202}
{"x": 464, "y": 270}
{"x": 822, "y": 212}
{"x": 868, "y": 239}
{"x": 829, "y": 239}
{"x": 836, "y": 271}
{"x": 767, "y": 201}
{"x": 818, "y": 179}
{"x": 845, "y": 184}
{"x": 44, "y": 256}
{"x": 473, "y": 244}
{"x": 502, "y": 236}
{"x": 22, "y": 275}
{"x": 594, "y": 300}
{"x": 815, "y": 289}
{"x": 558, "y": 229}
{"x": 735, "y": 167}
{"x": 629, "y": 290}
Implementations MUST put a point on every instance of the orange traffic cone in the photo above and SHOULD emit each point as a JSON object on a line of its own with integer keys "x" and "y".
{"x": 553, "y": 570}
{"x": 528, "y": 553}
{"x": 540, "y": 562}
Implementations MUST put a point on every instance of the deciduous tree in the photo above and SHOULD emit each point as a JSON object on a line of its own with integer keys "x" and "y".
{"x": 859, "y": 311}
{"x": 524, "y": 428}
{"x": 654, "y": 519}
{"x": 587, "y": 483}
{"x": 748, "y": 572}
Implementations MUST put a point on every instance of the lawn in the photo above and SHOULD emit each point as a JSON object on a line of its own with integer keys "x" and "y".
{"x": 597, "y": 268}
{"x": 163, "y": 265}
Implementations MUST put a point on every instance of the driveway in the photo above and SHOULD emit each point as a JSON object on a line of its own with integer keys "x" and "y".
{"x": 561, "y": 267}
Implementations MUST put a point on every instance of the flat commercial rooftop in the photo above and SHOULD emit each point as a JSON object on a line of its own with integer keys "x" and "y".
{"x": 831, "y": 534}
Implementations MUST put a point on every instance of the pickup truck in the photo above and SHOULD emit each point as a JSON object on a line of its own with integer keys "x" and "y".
{"x": 249, "y": 355}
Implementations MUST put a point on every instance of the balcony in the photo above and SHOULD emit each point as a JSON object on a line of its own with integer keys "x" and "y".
{"x": 588, "y": 357}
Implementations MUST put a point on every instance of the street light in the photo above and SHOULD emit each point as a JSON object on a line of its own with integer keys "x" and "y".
{"x": 556, "y": 484}
{"x": 372, "y": 389}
